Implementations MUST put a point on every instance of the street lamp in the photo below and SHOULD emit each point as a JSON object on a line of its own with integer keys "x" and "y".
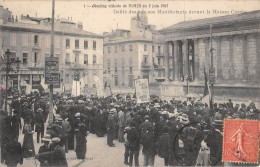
{"x": 8, "y": 68}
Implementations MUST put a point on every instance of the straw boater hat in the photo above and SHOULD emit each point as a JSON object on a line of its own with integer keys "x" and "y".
{"x": 77, "y": 115}
{"x": 184, "y": 119}
{"x": 157, "y": 105}
{"x": 55, "y": 140}
{"x": 46, "y": 137}
{"x": 112, "y": 111}
{"x": 218, "y": 122}
{"x": 165, "y": 112}
{"x": 39, "y": 110}
{"x": 59, "y": 119}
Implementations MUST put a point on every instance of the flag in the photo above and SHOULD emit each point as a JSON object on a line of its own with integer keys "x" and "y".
{"x": 206, "y": 94}
{"x": 3, "y": 90}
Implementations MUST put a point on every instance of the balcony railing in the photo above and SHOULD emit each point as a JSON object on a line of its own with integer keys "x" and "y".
{"x": 85, "y": 66}
{"x": 145, "y": 66}
{"x": 155, "y": 66}
{"x": 160, "y": 55}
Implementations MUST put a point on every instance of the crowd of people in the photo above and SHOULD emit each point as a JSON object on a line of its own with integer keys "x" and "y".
{"x": 181, "y": 132}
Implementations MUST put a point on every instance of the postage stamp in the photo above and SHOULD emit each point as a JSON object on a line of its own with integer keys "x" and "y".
{"x": 241, "y": 141}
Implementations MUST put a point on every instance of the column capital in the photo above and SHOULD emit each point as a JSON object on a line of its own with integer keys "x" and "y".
{"x": 185, "y": 41}
{"x": 206, "y": 40}
{"x": 217, "y": 38}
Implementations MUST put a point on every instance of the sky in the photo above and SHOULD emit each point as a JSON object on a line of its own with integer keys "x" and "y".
{"x": 98, "y": 19}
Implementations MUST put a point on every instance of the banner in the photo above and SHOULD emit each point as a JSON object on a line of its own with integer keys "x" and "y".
{"x": 142, "y": 91}
{"x": 75, "y": 91}
{"x": 99, "y": 87}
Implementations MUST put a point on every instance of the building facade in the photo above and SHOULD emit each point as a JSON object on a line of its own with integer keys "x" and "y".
{"x": 29, "y": 39}
{"x": 128, "y": 54}
{"x": 236, "y": 55}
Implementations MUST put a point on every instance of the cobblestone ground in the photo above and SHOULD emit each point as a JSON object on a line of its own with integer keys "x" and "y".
{"x": 98, "y": 155}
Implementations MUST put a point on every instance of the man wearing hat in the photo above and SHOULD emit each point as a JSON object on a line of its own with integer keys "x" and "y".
{"x": 45, "y": 161}
{"x": 39, "y": 124}
{"x": 16, "y": 124}
{"x": 57, "y": 154}
{"x": 111, "y": 127}
{"x": 214, "y": 141}
{"x": 146, "y": 124}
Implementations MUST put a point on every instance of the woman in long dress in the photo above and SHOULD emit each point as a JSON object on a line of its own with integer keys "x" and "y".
{"x": 28, "y": 145}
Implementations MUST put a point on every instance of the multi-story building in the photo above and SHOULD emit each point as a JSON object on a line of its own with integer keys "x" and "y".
{"x": 128, "y": 54}
{"x": 29, "y": 39}
{"x": 236, "y": 55}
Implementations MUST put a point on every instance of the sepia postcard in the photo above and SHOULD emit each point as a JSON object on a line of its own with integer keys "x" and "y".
{"x": 114, "y": 83}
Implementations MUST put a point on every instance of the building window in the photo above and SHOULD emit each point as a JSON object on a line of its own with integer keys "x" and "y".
{"x": 122, "y": 62}
{"x": 94, "y": 59}
{"x": 47, "y": 42}
{"x": 123, "y": 70}
{"x": 94, "y": 45}
{"x": 108, "y": 70}
{"x": 67, "y": 58}
{"x": 67, "y": 43}
{"x": 25, "y": 58}
{"x": 145, "y": 60}
{"x": 57, "y": 42}
{"x": 159, "y": 61}
{"x": 145, "y": 47}
{"x": 116, "y": 69}
{"x": 153, "y": 48}
{"x": 36, "y": 40}
{"x": 116, "y": 80}
{"x": 25, "y": 40}
{"x": 67, "y": 78}
{"x": 13, "y": 56}
{"x": 123, "y": 80}
{"x": 76, "y": 44}
{"x": 159, "y": 49}
{"x": 13, "y": 39}
{"x": 130, "y": 48}
{"x": 85, "y": 58}
{"x": 36, "y": 55}
{"x": 123, "y": 48}
{"x": 76, "y": 57}
{"x": 115, "y": 49}
{"x": 108, "y": 49}
{"x": 85, "y": 44}
{"x": 131, "y": 70}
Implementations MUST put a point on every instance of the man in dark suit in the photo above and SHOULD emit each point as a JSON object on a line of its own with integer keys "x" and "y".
{"x": 39, "y": 124}
{"x": 13, "y": 153}
{"x": 133, "y": 138}
{"x": 57, "y": 154}
{"x": 111, "y": 127}
{"x": 16, "y": 124}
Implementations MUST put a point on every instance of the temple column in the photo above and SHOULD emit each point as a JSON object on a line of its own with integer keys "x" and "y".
{"x": 196, "y": 59}
{"x": 175, "y": 59}
{"x": 166, "y": 51}
{"x": 185, "y": 58}
{"x": 219, "y": 60}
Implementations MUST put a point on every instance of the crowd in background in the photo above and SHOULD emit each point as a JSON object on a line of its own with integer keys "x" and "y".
{"x": 181, "y": 132}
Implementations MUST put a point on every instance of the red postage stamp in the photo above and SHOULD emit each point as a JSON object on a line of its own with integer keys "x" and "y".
{"x": 241, "y": 140}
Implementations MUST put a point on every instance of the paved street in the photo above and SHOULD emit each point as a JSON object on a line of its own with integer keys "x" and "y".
{"x": 98, "y": 155}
